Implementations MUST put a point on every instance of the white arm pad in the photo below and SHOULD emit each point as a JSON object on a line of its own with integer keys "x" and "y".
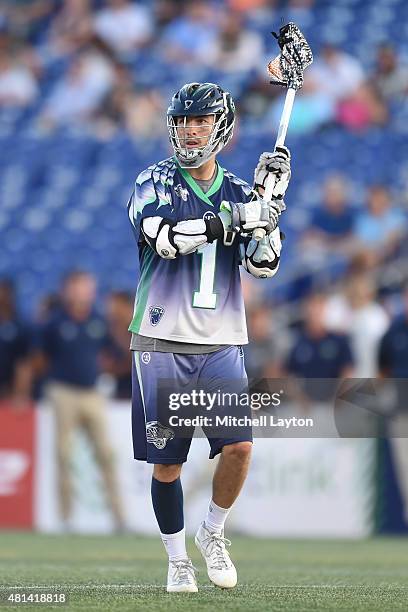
{"x": 169, "y": 239}
{"x": 189, "y": 235}
{"x": 261, "y": 259}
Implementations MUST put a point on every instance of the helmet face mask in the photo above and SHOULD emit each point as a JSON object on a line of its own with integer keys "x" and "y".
{"x": 195, "y": 101}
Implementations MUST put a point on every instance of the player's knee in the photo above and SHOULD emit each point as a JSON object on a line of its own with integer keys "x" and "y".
{"x": 240, "y": 451}
{"x": 166, "y": 473}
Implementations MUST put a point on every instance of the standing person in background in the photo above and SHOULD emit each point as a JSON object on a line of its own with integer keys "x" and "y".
{"x": 116, "y": 358}
{"x": 355, "y": 312}
{"x": 317, "y": 354}
{"x": 393, "y": 363}
{"x": 70, "y": 343}
{"x": 15, "y": 372}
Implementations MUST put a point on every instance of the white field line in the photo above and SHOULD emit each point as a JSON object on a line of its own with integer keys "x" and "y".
{"x": 83, "y": 587}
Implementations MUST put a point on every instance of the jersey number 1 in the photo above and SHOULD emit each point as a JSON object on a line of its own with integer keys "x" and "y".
{"x": 205, "y": 296}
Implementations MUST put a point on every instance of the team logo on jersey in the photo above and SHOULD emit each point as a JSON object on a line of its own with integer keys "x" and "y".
{"x": 156, "y": 313}
{"x": 209, "y": 215}
{"x": 187, "y": 104}
{"x": 181, "y": 192}
{"x": 158, "y": 434}
{"x": 146, "y": 357}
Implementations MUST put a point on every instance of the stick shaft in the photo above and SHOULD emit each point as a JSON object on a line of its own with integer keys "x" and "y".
{"x": 259, "y": 233}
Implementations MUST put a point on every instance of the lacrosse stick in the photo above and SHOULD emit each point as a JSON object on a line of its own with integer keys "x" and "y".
{"x": 287, "y": 70}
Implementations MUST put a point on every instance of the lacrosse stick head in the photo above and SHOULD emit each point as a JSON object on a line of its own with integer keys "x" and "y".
{"x": 295, "y": 56}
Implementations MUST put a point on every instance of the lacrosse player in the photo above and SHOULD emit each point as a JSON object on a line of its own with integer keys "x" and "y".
{"x": 193, "y": 222}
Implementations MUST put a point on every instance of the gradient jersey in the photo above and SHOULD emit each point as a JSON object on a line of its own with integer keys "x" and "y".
{"x": 194, "y": 298}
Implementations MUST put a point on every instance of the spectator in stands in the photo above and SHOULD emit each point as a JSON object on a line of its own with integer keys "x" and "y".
{"x": 69, "y": 347}
{"x": 393, "y": 363}
{"x": 132, "y": 109}
{"x": 362, "y": 109}
{"x": 336, "y": 74}
{"x": 268, "y": 343}
{"x": 318, "y": 353}
{"x": 236, "y": 48}
{"x": 166, "y": 11}
{"x": 189, "y": 39}
{"x": 28, "y": 17}
{"x": 313, "y": 110}
{"x": 80, "y": 92}
{"x": 72, "y": 27}
{"x": 15, "y": 371}
{"x": 116, "y": 357}
{"x": 380, "y": 228}
{"x": 249, "y": 5}
{"x": 331, "y": 224}
{"x": 390, "y": 78}
{"x": 124, "y": 26}
{"x": 18, "y": 86}
{"x": 354, "y": 311}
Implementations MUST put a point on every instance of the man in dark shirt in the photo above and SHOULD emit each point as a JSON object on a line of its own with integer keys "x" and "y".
{"x": 393, "y": 363}
{"x": 319, "y": 354}
{"x": 70, "y": 344}
{"x": 15, "y": 372}
{"x": 332, "y": 223}
{"x": 116, "y": 358}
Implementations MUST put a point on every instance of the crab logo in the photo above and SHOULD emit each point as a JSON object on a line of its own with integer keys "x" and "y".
{"x": 156, "y": 313}
{"x": 187, "y": 104}
{"x": 182, "y": 193}
{"x": 158, "y": 434}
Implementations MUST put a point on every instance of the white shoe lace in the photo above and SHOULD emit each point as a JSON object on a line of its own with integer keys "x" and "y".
{"x": 214, "y": 545}
{"x": 184, "y": 571}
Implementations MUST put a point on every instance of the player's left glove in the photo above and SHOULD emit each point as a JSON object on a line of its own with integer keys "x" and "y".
{"x": 277, "y": 165}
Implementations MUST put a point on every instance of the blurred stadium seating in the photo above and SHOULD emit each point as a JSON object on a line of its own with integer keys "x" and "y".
{"x": 63, "y": 193}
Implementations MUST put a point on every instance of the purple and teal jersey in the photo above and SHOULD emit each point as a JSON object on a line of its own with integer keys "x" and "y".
{"x": 194, "y": 298}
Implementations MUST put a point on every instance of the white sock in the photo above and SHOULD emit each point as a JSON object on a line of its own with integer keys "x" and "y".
{"x": 175, "y": 545}
{"x": 216, "y": 516}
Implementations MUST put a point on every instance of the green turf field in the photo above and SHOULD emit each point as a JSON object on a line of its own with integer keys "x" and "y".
{"x": 128, "y": 573}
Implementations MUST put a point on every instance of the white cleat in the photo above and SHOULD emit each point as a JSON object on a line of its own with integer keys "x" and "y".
{"x": 212, "y": 545}
{"x": 181, "y": 577}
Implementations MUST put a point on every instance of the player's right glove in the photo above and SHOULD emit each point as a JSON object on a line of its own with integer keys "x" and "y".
{"x": 261, "y": 259}
{"x": 245, "y": 217}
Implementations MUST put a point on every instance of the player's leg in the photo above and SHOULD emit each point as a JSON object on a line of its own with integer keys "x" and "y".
{"x": 167, "y": 500}
{"x": 168, "y": 453}
{"x": 231, "y": 470}
{"x": 229, "y": 477}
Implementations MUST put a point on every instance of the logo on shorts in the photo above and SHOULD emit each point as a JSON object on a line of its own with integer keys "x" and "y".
{"x": 158, "y": 434}
{"x": 146, "y": 357}
{"x": 241, "y": 351}
{"x": 156, "y": 313}
{"x": 181, "y": 192}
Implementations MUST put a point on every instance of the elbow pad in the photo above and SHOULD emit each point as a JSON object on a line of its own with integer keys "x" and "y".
{"x": 170, "y": 239}
{"x": 261, "y": 259}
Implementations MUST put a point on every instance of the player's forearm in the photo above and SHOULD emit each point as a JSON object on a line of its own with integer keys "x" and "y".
{"x": 170, "y": 239}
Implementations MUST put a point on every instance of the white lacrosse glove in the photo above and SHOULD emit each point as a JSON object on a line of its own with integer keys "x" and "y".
{"x": 276, "y": 165}
{"x": 248, "y": 216}
{"x": 261, "y": 259}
